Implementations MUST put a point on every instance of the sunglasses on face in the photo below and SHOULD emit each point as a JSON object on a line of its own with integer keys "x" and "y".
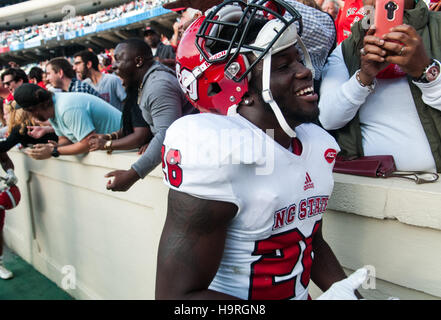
{"x": 7, "y": 83}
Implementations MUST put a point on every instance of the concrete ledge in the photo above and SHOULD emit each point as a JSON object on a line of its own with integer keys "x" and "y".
{"x": 391, "y": 198}
{"x": 67, "y": 218}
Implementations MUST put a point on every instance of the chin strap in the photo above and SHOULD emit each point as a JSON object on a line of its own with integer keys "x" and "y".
{"x": 266, "y": 91}
{"x": 268, "y": 97}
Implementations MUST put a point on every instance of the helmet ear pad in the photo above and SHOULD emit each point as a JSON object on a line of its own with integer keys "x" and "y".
{"x": 221, "y": 91}
{"x": 227, "y": 14}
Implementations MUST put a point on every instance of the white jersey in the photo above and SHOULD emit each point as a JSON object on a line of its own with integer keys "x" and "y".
{"x": 281, "y": 198}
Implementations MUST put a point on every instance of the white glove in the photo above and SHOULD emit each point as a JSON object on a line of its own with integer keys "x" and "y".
{"x": 344, "y": 289}
{"x": 11, "y": 179}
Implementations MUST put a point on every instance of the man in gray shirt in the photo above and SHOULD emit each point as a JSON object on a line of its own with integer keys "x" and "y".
{"x": 161, "y": 101}
{"x": 109, "y": 86}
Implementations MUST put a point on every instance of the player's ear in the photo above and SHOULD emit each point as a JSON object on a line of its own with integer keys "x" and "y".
{"x": 247, "y": 100}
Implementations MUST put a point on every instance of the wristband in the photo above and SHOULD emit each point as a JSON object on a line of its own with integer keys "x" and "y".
{"x": 370, "y": 87}
{"x": 55, "y": 152}
{"x": 108, "y": 146}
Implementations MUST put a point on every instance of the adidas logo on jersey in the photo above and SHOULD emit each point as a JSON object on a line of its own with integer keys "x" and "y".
{"x": 308, "y": 183}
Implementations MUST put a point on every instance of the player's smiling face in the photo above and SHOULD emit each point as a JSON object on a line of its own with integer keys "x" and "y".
{"x": 292, "y": 87}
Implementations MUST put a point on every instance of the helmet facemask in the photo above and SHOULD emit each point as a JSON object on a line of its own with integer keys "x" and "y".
{"x": 229, "y": 32}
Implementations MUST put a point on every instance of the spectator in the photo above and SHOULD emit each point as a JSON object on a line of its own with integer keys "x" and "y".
{"x": 231, "y": 231}
{"x": 161, "y": 101}
{"x": 17, "y": 121}
{"x": 318, "y": 36}
{"x": 403, "y": 113}
{"x": 311, "y": 3}
{"x": 352, "y": 12}
{"x": 36, "y": 77}
{"x": 134, "y": 133}
{"x": 161, "y": 52}
{"x": 75, "y": 116}
{"x": 4, "y": 92}
{"x": 106, "y": 63}
{"x": 12, "y": 79}
{"x": 11, "y": 180}
{"x": 109, "y": 86}
{"x": 60, "y": 74}
{"x": 13, "y": 64}
{"x": 332, "y": 7}
{"x": 187, "y": 17}
{"x": 435, "y": 5}
{"x": 4, "y": 114}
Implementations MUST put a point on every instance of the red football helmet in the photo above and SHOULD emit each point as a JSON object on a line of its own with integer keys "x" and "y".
{"x": 215, "y": 80}
{"x": 212, "y": 92}
{"x": 9, "y": 197}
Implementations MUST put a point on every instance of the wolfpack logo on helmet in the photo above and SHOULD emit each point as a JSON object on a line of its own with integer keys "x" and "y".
{"x": 190, "y": 90}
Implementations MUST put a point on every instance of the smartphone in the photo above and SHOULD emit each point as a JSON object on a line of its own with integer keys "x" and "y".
{"x": 388, "y": 14}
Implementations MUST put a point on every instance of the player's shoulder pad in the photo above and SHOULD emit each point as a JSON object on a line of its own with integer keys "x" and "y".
{"x": 320, "y": 135}
{"x": 209, "y": 139}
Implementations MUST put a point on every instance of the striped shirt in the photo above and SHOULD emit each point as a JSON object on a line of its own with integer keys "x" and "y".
{"x": 318, "y": 35}
{"x": 79, "y": 86}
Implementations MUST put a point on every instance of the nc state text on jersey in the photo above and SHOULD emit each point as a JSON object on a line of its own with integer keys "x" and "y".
{"x": 307, "y": 208}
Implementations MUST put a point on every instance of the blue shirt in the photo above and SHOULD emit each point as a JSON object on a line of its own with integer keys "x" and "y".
{"x": 78, "y": 114}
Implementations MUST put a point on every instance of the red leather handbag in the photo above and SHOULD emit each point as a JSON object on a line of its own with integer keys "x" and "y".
{"x": 379, "y": 166}
{"x": 371, "y": 166}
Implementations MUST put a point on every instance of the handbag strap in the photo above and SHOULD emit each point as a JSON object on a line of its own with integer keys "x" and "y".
{"x": 419, "y": 177}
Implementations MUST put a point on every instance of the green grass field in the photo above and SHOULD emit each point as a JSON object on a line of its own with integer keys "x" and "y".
{"x": 27, "y": 283}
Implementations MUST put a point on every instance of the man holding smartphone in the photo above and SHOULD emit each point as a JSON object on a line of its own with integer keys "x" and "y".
{"x": 383, "y": 95}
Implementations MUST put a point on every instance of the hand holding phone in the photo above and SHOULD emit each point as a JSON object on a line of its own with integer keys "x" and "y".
{"x": 388, "y": 14}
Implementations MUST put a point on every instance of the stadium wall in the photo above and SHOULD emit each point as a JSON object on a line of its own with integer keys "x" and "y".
{"x": 98, "y": 244}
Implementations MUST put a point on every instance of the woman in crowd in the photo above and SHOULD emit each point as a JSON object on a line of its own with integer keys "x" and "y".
{"x": 17, "y": 122}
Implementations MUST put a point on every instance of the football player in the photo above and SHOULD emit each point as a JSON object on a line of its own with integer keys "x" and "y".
{"x": 9, "y": 198}
{"x": 251, "y": 178}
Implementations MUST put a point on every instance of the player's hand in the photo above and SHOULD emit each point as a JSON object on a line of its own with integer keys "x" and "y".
{"x": 96, "y": 142}
{"x": 345, "y": 289}
{"x": 37, "y": 131}
{"x": 372, "y": 57}
{"x": 406, "y": 49}
{"x": 41, "y": 151}
{"x": 123, "y": 179}
{"x": 143, "y": 148}
{"x": 11, "y": 179}
{"x": 195, "y": 4}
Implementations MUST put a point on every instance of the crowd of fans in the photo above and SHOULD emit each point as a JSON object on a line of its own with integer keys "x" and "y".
{"x": 53, "y": 29}
{"x": 73, "y": 106}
